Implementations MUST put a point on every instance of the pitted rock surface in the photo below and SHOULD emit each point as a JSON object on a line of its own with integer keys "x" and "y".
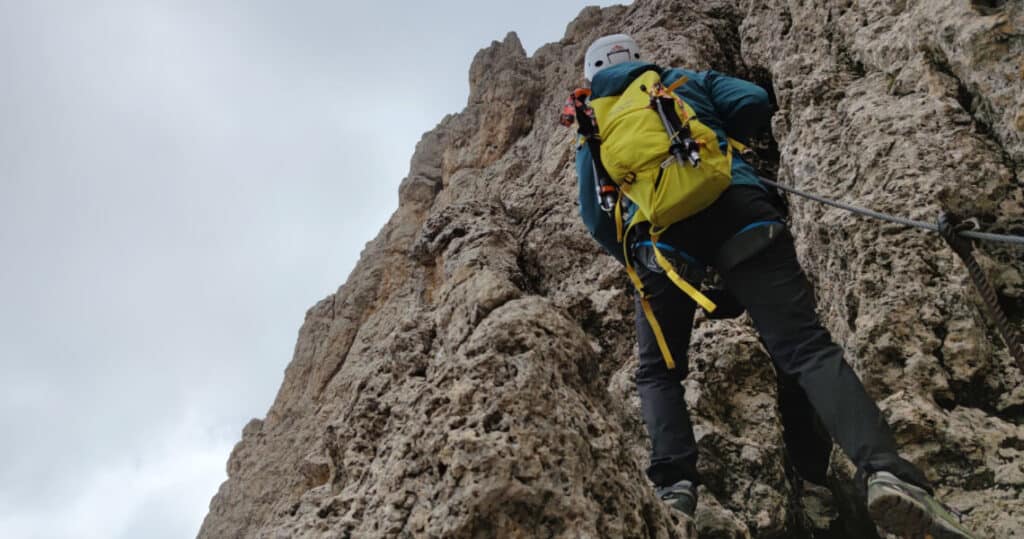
{"x": 474, "y": 376}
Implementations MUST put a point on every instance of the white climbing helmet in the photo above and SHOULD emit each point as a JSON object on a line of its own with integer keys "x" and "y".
{"x": 609, "y": 50}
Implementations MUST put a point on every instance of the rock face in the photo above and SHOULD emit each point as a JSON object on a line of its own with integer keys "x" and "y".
{"x": 473, "y": 378}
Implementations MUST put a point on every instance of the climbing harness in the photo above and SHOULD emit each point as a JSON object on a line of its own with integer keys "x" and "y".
{"x": 958, "y": 235}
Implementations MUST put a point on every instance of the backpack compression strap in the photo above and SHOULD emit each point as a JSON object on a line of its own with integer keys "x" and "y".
{"x": 738, "y": 146}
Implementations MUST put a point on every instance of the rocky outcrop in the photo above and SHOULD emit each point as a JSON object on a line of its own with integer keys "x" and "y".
{"x": 473, "y": 377}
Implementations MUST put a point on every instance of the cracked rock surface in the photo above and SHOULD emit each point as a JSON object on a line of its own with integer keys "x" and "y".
{"x": 474, "y": 376}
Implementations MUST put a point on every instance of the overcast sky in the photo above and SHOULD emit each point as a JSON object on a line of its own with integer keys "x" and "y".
{"x": 178, "y": 184}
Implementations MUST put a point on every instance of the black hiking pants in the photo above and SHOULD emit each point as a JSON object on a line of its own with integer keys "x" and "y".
{"x": 816, "y": 381}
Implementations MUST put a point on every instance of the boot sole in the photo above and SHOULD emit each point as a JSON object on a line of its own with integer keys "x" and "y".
{"x": 899, "y": 514}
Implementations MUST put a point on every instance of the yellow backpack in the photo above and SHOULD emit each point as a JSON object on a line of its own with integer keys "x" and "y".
{"x": 637, "y": 150}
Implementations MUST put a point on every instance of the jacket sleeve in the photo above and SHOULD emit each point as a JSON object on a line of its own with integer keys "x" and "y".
{"x": 743, "y": 106}
{"x": 600, "y": 224}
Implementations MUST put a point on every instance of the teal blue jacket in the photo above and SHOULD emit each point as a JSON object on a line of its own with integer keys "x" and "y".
{"x": 730, "y": 106}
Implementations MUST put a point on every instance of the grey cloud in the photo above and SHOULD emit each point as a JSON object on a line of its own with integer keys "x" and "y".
{"x": 179, "y": 181}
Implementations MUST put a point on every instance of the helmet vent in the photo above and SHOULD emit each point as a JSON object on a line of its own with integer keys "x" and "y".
{"x": 615, "y": 57}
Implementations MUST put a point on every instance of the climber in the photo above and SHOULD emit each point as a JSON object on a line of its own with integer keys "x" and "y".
{"x": 737, "y": 231}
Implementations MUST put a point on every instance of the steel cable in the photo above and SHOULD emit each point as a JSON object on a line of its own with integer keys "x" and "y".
{"x": 1004, "y": 238}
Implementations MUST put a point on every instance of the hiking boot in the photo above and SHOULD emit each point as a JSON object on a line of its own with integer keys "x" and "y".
{"x": 907, "y": 510}
{"x": 681, "y": 496}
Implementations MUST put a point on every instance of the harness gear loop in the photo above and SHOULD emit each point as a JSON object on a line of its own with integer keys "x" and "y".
{"x": 672, "y": 274}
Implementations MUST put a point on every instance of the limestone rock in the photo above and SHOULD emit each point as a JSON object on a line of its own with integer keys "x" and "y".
{"x": 473, "y": 378}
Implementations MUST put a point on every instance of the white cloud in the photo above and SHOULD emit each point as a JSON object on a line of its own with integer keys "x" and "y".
{"x": 162, "y": 490}
{"x": 179, "y": 182}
